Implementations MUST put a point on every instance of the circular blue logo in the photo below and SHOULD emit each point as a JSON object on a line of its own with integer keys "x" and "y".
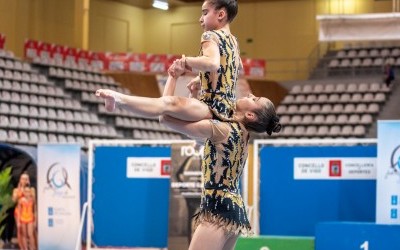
{"x": 395, "y": 159}
{"x": 57, "y": 176}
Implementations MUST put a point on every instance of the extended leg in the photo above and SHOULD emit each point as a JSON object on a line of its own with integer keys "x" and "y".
{"x": 183, "y": 108}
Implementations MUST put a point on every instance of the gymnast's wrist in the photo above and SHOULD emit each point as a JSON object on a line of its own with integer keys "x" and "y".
{"x": 118, "y": 99}
{"x": 186, "y": 62}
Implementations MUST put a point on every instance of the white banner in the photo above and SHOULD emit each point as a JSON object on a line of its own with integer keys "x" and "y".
{"x": 388, "y": 175}
{"x": 380, "y": 26}
{"x": 317, "y": 168}
{"x": 58, "y": 196}
{"x": 148, "y": 167}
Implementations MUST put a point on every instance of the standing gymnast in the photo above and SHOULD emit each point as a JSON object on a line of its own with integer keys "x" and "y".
{"x": 219, "y": 60}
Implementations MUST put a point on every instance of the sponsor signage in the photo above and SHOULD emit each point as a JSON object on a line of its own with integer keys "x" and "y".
{"x": 363, "y": 168}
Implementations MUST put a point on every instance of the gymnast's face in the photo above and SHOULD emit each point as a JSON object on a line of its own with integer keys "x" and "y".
{"x": 24, "y": 180}
{"x": 250, "y": 103}
{"x": 209, "y": 17}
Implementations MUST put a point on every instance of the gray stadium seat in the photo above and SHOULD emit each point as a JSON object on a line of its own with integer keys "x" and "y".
{"x": 340, "y": 88}
{"x": 347, "y": 130}
{"x": 292, "y": 109}
{"x": 356, "y": 62}
{"x": 311, "y": 98}
{"x": 330, "y": 119}
{"x": 296, "y": 120}
{"x": 43, "y": 138}
{"x": 318, "y": 88}
{"x": 329, "y": 88}
{"x": 23, "y": 123}
{"x": 342, "y": 119}
{"x": 354, "y": 119}
{"x": 42, "y": 125}
{"x": 335, "y": 130}
{"x": 363, "y": 87}
{"x": 333, "y": 98}
{"x": 311, "y": 131}
{"x": 33, "y": 137}
{"x": 349, "y": 108}
{"x": 4, "y": 121}
{"x": 367, "y": 62}
{"x": 357, "y": 97}
{"x": 341, "y": 54}
{"x": 380, "y": 97}
{"x": 323, "y": 131}
{"x": 13, "y": 136}
{"x": 300, "y": 99}
{"x": 359, "y": 130}
{"x": 307, "y": 119}
{"x": 319, "y": 119}
{"x": 3, "y": 135}
{"x": 322, "y": 98}
{"x": 308, "y": 88}
{"x": 326, "y": 108}
{"x": 345, "y": 98}
{"x": 23, "y": 137}
{"x": 361, "y": 108}
{"x": 373, "y": 108}
{"x": 366, "y": 119}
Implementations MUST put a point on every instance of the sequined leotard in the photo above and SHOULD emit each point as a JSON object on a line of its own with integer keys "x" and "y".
{"x": 218, "y": 89}
{"x": 225, "y": 154}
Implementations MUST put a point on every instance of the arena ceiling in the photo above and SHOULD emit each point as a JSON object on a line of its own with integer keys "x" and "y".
{"x": 145, "y": 4}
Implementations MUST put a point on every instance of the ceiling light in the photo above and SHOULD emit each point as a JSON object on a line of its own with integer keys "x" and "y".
{"x": 160, "y": 4}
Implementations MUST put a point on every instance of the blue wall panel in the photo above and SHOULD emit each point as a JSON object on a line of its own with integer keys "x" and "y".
{"x": 293, "y": 207}
{"x": 129, "y": 212}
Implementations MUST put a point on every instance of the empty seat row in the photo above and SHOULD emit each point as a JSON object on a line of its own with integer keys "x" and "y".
{"x": 23, "y": 76}
{"x": 384, "y": 52}
{"x": 31, "y": 88}
{"x": 126, "y": 122}
{"x": 91, "y": 86}
{"x": 78, "y": 75}
{"x": 350, "y": 108}
{"x": 334, "y": 98}
{"x": 47, "y": 113}
{"x": 339, "y": 88}
{"x": 323, "y": 131}
{"x": 21, "y": 123}
{"x": 37, "y": 100}
{"x": 7, "y": 54}
{"x": 331, "y": 119}
{"x": 33, "y": 138}
{"x": 154, "y": 135}
{"x": 366, "y": 62}
{"x": 59, "y": 62}
{"x": 90, "y": 97}
{"x": 14, "y": 65}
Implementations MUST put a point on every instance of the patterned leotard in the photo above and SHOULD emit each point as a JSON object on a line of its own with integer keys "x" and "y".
{"x": 225, "y": 154}
{"x": 218, "y": 89}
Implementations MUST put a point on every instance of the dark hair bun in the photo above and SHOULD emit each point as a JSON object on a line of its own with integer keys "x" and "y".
{"x": 274, "y": 126}
{"x": 277, "y": 127}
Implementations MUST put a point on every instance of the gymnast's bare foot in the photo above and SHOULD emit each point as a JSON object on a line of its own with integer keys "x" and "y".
{"x": 110, "y": 98}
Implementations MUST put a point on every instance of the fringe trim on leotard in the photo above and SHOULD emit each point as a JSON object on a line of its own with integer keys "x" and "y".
{"x": 228, "y": 225}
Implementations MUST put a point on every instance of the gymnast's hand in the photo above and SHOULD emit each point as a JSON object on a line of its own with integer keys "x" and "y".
{"x": 111, "y": 98}
{"x": 194, "y": 87}
{"x": 177, "y": 68}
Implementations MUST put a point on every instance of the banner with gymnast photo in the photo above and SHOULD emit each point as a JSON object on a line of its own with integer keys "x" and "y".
{"x": 58, "y": 196}
{"x": 388, "y": 173}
